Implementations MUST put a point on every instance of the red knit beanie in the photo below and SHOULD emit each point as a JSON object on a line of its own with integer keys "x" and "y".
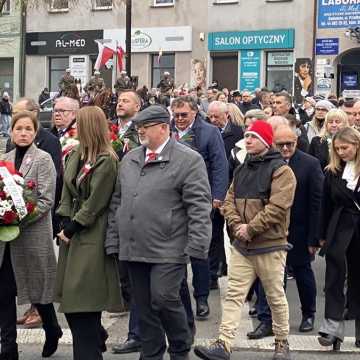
{"x": 262, "y": 130}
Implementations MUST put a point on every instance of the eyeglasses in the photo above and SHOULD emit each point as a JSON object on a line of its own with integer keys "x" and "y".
{"x": 289, "y": 145}
{"x": 181, "y": 115}
{"x": 321, "y": 109}
{"x": 61, "y": 111}
{"x": 145, "y": 126}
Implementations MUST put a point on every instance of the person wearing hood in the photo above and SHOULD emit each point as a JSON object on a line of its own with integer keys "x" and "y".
{"x": 257, "y": 210}
{"x": 5, "y": 114}
{"x": 314, "y": 126}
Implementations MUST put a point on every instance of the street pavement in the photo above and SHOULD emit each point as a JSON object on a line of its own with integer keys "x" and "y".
{"x": 305, "y": 346}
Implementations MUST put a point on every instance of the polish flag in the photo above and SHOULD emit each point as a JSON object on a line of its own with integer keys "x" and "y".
{"x": 105, "y": 54}
{"x": 120, "y": 56}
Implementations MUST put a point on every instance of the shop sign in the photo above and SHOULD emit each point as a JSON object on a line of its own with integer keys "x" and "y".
{"x": 280, "y": 58}
{"x": 328, "y": 46}
{"x": 64, "y": 43}
{"x": 176, "y": 38}
{"x": 338, "y": 13}
{"x": 252, "y": 40}
{"x": 250, "y": 69}
{"x": 79, "y": 68}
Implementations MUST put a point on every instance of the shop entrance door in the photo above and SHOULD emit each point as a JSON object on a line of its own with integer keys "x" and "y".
{"x": 349, "y": 71}
{"x": 225, "y": 70}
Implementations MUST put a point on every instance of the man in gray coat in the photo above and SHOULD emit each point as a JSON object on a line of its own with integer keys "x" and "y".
{"x": 159, "y": 217}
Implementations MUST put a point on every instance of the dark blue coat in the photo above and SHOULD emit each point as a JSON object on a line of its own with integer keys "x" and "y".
{"x": 207, "y": 140}
{"x": 305, "y": 212}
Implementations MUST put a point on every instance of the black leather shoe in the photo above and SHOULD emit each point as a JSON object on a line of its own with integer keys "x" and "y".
{"x": 307, "y": 324}
{"x": 129, "y": 346}
{"x": 330, "y": 340}
{"x": 51, "y": 341}
{"x": 202, "y": 309}
{"x": 214, "y": 284}
{"x": 264, "y": 329}
{"x": 216, "y": 351}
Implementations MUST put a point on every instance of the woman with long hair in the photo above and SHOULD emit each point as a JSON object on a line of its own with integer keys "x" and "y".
{"x": 335, "y": 120}
{"x": 87, "y": 279}
{"x": 340, "y": 236}
{"x": 235, "y": 114}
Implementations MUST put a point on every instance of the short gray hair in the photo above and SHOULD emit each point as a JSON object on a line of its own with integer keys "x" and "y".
{"x": 220, "y": 105}
{"x": 73, "y": 103}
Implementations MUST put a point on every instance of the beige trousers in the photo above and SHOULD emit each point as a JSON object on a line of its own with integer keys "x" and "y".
{"x": 243, "y": 271}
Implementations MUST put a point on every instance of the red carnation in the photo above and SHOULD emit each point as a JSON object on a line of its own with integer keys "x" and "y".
{"x": 30, "y": 207}
{"x": 9, "y": 217}
{"x": 31, "y": 184}
{"x": 114, "y": 128}
{"x": 2, "y": 195}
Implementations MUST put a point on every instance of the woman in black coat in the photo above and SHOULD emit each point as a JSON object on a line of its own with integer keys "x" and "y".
{"x": 341, "y": 237}
{"x": 335, "y": 120}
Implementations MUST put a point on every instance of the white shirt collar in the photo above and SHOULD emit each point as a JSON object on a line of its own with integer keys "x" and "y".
{"x": 158, "y": 150}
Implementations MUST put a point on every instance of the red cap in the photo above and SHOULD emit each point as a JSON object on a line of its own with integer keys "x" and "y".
{"x": 262, "y": 130}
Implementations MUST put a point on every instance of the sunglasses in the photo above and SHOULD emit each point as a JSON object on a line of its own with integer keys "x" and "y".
{"x": 289, "y": 145}
{"x": 181, "y": 115}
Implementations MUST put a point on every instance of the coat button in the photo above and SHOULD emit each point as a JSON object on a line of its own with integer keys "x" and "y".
{"x": 131, "y": 239}
{"x": 135, "y": 194}
{"x": 142, "y": 173}
{"x": 132, "y": 217}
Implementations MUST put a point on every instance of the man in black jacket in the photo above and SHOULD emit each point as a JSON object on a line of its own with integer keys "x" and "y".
{"x": 231, "y": 134}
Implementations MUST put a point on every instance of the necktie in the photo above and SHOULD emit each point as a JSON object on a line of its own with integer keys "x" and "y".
{"x": 151, "y": 156}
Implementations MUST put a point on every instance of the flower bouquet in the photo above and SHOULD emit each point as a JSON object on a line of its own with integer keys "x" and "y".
{"x": 68, "y": 142}
{"x": 17, "y": 201}
{"x": 119, "y": 141}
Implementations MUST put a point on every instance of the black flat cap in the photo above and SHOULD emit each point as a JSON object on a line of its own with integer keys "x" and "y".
{"x": 153, "y": 113}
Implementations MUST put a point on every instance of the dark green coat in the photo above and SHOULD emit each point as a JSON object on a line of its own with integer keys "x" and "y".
{"x": 87, "y": 279}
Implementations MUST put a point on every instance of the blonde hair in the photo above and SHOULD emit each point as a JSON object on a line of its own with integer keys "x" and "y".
{"x": 235, "y": 114}
{"x": 331, "y": 115}
{"x": 93, "y": 133}
{"x": 350, "y": 136}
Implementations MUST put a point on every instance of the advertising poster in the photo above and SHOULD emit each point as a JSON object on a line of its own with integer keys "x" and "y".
{"x": 250, "y": 70}
{"x": 338, "y": 13}
{"x": 303, "y": 83}
{"x": 198, "y": 74}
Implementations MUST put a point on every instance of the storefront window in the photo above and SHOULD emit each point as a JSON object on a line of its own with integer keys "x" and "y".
{"x": 6, "y": 8}
{"x": 279, "y": 71}
{"x": 159, "y": 66}
{"x": 7, "y": 76}
{"x": 57, "y": 67}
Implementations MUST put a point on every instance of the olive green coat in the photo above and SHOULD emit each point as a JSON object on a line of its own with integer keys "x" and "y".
{"x": 87, "y": 279}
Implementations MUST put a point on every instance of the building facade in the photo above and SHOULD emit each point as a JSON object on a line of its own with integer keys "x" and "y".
{"x": 338, "y": 48}
{"x": 259, "y": 45}
{"x": 167, "y": 35}
{"x": 10, "y": 44}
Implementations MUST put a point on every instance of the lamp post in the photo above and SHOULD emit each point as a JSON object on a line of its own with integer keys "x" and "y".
{"x": 128, "y": 37}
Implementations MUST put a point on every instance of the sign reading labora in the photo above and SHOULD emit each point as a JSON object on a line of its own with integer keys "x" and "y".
{"x": 266, "y": 39}
{"x": 250, "y": 69}
{"x": 178, "y": 38}
{"x": 338, "y": 13}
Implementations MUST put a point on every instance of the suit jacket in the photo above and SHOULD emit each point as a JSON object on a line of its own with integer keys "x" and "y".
{"x": 207, "y": 140}
{"x": 305, "y": 212}
{"x": 32, "y": 253}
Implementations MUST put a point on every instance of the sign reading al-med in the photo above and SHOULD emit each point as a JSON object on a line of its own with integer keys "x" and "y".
{"x": 250, "y": 69}
{"x": 338, "y": 13}
{"x": 241, "y": 40}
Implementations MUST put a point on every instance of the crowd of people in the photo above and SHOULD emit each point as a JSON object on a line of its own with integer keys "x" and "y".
{"x": 133, "y": 190}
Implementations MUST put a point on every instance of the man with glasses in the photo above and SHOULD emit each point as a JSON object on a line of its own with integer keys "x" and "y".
{"x": 257, "y": 210}
{"x": 159, "y": 217}
{"x": 189, "y": 127}
{"x": 314, "y": 126}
